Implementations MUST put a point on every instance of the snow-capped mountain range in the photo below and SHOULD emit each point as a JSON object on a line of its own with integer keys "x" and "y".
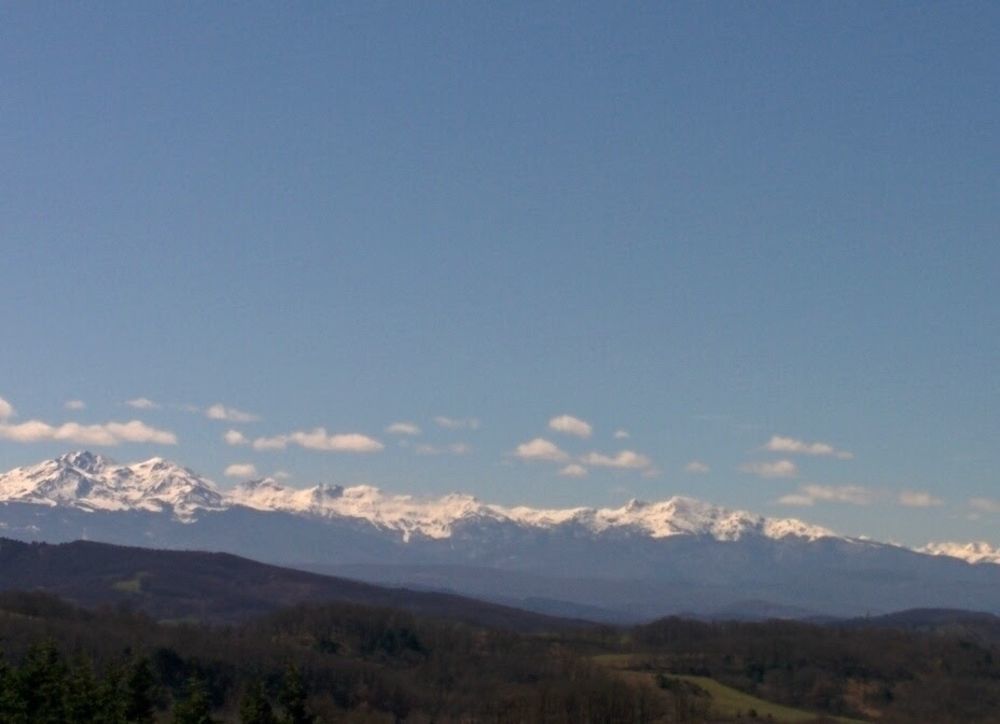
{"x": 618, "y": 564}
{"x": 90, "y": 482}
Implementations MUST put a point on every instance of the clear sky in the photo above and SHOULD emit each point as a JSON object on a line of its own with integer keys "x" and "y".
{"x": 702, "y": 225}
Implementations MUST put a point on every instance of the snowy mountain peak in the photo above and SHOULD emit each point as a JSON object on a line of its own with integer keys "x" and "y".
{"x": 84, "y": 460}
{"x": 974, "y": 552}
{"x": 90, "y": 482}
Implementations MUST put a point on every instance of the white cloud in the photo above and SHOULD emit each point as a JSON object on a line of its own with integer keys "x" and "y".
{"x": 7, "y": 410}
{"x": 697, "y": 467}
{"x": 454, "y": 423}
{"x": 569, "y": 425}
{"x": 241, "y": 470}
{"x": 790, "y": 445}
{"x": 75, "y": 405}
{"x": 621, "y": 434}
{"x": 624, "y": 460}
{"x": 235, "y": 437}
{"x": 771, "y": 469}
{"x": 218, "y": 411}
{"x": 142, "y": 403}
{"x": 319, "y": 439}
{"x": 918, "y": 499}
{"x": 458, "y": 448}
{"x": 403, "y": 428}
{"x": 109, "y": 433}
{"x": 811, "y": 494}
{"x": 540, "y": 449}
{"x": 573, "y": 470}
{"x": 985, "y": 505}
{"x": 281, "y": 475}
{"x": 797, "y": 499}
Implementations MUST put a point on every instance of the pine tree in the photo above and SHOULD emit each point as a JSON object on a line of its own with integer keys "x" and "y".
{"x": 196, "y": 709}
{"x": 11, "y": 706}
{"x": 255, "y": 708}
{"x": 41, "y": 683}
{"x": 293, "y": 698}
{"x": 111, "y": 698}
{"x": 82, "y": 699}
{"x": 140, "y": 693}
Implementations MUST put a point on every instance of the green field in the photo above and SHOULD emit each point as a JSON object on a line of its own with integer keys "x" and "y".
{"x": 726, "y": 702}
{"x": 730, "y": 702}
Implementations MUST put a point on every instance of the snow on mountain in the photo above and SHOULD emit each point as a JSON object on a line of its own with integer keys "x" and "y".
{"x": 676, "y": 516}
{"x": 433, "y": 518}
{"x": 92, "y": 482}
{"x": 975, "y": 552}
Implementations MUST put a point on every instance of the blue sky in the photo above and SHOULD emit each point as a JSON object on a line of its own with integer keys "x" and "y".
{"x": 704, "y": 224}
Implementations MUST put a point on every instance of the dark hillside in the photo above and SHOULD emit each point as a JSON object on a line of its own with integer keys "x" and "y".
{"x": 218, "y": 587}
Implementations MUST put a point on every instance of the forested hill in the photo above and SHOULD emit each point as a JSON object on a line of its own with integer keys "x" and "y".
{"x": 218, "y": 587}
{"x": 363, "y": 664}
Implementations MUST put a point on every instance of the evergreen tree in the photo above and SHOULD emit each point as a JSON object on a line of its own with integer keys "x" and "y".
{"x": 41, "y": 685}
{"x": 11, "y": 708}
{"x": 196, "y": 708}
{"x": 82, "y": 700}
{"x": 140, "y": 693}
{"x": 293, "y": 698}
{"x": 255, "y": 708}
{"x": 111, "y": 698}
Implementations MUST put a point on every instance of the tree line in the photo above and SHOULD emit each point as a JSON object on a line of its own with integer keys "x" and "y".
{"x": 48, "y": 688}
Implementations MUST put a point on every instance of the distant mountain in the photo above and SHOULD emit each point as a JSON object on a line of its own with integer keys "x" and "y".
{"x": 975, "y": 552}
{"x": 89, "y": 482}
{"x": 636, "y": 562}
{"x": 191, "y": 585}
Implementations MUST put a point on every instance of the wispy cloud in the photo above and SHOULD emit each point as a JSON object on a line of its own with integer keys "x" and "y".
{"x": 403, "y": 428}
{"x": 918, "y": 499}
{"x": 573, "y": 470}
{"x": 457, "y": 423}
{"x": 569, "y": 425}
{"x": 771, "y": 469}
{"x": 235, "y": 437}
{"x": 540, "y": 449}
{"x": 458, "y": 448}
{"x": 791, "y": 446}
{"x": 241, "y": 470}
{"x": 621, "y": 434}
{"x": 218, "y": 411}
{"x": 985, "y": 505}
{"x": 697, "y": 467}
{"x": 7, "y": 410}
{"x": 799, "y": 500}
{"x": 75, "y": 405}
{"x": 105, "y": 434}
{"x": 142, "y": 403}
{"x": 809, "y": 495}
{"x": 320, "y": 439}
{"x": 623, "y": 460}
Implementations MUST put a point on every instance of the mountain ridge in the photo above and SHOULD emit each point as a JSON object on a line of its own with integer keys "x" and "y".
{"x": 89, "y": 482}
{"x": 632, "y": 563}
